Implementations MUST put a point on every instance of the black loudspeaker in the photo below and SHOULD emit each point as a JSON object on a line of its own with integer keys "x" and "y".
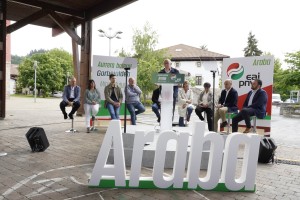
{"x": 267, "y": 150}
{"x": 37, "y": 139}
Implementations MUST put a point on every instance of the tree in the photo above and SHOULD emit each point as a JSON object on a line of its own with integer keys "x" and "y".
{"x": 50, "y": 71}
{"x": 15, "y": 59}
{"x": 293, "y": 60}
{"x": 286, "y": 80}
{"x": 66, "y": 62}
{"x": 252, "y": 49}
{"x": 149, "y": 59}
{"x": 36, "y": 51}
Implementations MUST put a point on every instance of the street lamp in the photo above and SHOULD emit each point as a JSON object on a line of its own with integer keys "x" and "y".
{"x": 110, "y": 36}
{"x": 35, "y": 66}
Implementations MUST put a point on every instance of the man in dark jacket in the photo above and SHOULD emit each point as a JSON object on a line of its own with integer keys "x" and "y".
{"x": 171, "y": 70}
{"x": 227, "y": 103}
{"x": 254, "y": 105}
{"x": 156, "y": 102}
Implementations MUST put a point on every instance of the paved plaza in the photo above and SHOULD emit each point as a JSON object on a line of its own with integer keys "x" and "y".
{"x": 62, "y": 171}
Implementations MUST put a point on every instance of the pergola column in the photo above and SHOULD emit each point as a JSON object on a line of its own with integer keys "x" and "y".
{"x": 2, "y": 58}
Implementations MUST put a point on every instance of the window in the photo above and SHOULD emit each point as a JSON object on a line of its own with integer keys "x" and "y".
{"x": 198, "y": 80}
{"x": 177, "y": 64}
{"x": 198, "y": 64}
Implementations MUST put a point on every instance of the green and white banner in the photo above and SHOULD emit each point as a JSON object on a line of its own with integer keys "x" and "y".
{"x": 102, "y": 67}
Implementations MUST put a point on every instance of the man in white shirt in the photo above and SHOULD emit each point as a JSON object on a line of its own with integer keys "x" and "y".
{"x": 254, "y": 105}
{"x": 227, "y": 103}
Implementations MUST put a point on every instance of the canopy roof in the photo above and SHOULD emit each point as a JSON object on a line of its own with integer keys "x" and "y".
{"x": 50, "y": 13}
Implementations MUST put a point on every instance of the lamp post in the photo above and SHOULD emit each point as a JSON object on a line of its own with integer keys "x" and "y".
{"x": 35, "y": 66}
{"x": 110, "y": 36}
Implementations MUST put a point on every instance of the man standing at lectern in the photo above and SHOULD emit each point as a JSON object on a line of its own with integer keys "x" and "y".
{"x": 169, "y": 69}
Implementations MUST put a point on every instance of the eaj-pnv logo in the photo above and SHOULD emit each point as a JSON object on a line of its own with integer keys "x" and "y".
{"x": 235, "y": 71}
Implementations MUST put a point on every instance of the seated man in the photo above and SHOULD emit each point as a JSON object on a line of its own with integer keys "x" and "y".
{"x": 227, "y": 103}
{"x": 254, "y": 105}
{"x": 71, "y": 97}
{"x": 113, "y": 97}
{"x": 133, "y": 102}
{"x": 156, "y": 99}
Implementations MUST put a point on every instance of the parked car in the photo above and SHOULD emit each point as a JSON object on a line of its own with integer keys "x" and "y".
{"x": 276, "y": 99}
{"x": 289, "y": 101}
{"x": 57, "y": 94}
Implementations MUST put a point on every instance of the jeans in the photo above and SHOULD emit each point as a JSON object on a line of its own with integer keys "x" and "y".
{"x": 189, "y": 112}
{"x": 135, "y": 106}
{"x": 155, "y": 109}
{"x": 113, "y": 111}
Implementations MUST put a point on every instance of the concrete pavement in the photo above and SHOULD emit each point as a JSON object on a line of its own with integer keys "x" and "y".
{"x": 62, "y": 171}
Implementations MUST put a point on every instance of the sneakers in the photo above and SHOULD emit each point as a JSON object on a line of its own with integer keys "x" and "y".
{"x": 223, "y": 124}
{"x": 87, "y": 129}
{"x": 65, "y": 116}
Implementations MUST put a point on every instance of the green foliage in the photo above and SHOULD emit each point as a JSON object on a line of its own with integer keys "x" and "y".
{"x": 252, "y": 49}
{"x": 36, "y": 51}
{"x": 149, "y": 59}
{"x": 293, "y": 59}
{"x": 286, "y": 80}
{"x": 51, "y": 71}
{"x": 15, "y": 59}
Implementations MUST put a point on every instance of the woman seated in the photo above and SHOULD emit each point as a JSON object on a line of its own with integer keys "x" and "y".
{"x": 91, "y": 103}
{"x": 185, "y": 106}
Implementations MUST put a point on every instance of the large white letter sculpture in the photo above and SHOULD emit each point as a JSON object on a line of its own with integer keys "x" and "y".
{"x": 215, "y": 178}
{"x": 118, "y": 170}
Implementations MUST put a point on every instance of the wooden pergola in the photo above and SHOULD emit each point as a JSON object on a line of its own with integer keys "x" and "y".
{"x": 60, "y": 16}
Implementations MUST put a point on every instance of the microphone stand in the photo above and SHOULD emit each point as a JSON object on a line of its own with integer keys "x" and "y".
{"x": 125, "y": 112}
{"x": 213, "y": 108}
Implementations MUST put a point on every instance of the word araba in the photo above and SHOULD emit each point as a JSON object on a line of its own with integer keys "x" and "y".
{"x": 221, "y": 169}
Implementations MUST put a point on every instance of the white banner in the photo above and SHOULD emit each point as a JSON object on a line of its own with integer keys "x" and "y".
{"x": 102, "y": 67}
{"x": 243, "y": 71}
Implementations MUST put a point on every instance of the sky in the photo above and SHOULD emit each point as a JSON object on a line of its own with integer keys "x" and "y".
{"x": 221, "y": 25}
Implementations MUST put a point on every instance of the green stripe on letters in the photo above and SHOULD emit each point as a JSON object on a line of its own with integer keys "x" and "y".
{"x": 149, "y": 184}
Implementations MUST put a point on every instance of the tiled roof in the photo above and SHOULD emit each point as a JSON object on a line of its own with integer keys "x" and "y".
{"x": 182, "y": 52}
{"x": 14, "y": 70}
